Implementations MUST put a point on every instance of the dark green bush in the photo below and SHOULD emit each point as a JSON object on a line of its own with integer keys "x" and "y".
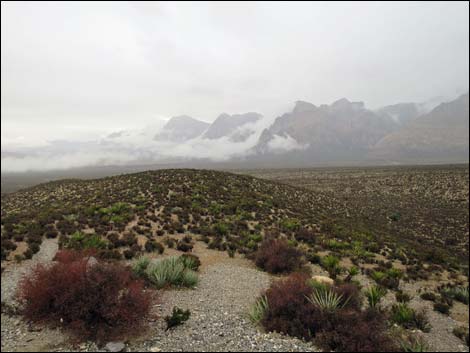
{"x": 178, "y": 317}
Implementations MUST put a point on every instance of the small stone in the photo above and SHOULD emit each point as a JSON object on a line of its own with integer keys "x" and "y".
{"x": 92, "y": 261}
{"x": 115, "y": 347}
{"x": 155, "y": 349}
{"x": 323, "y": 280}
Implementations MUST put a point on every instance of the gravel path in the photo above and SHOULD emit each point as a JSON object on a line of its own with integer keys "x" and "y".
{"x": 218, "y": 319}
{"x": 13, "y": 272}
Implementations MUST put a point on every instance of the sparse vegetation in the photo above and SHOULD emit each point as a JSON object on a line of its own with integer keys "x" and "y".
{"x": 407, "y": 317}
{"x": 178, "y": 317}
{"x": 277, "y": 226}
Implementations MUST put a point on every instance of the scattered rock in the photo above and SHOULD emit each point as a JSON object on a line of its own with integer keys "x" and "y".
{"x": 323, "y": 280}
{"x": 115, "y": 346}
{"x": 92, "y": 261}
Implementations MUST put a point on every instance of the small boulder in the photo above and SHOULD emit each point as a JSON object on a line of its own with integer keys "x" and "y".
{"x": 115, "y": 347}
{"x": 92, "y": 261}
{"x": 323, "y": 280}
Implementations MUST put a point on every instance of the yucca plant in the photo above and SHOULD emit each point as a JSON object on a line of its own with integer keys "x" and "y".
{"x": 189, "y": 279}
{"x": 460, "y": 294}
{"x": 327, "y": 299}
{"x": 374, "y": 295}
{"x": 171, "y": 271}
{"x": 331, "y": 264}
{"x": 140, "y": 266}
{"x": 402, "y": 314}
{"x": 258, "y": 310}
{"x": 353, "y": 271}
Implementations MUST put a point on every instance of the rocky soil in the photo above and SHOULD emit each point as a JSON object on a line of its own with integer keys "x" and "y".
{"x": 218, "y": 322}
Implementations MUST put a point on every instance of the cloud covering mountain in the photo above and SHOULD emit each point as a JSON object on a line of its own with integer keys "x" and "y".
{"x": 307, "y": 135}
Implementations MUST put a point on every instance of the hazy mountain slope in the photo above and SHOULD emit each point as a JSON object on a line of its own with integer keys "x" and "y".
{"x": 339, "y": 130}
{"x": 440, "y": 134}
{"x": 181, "y": 128}
{"x": 231, "y": 126}
{"x": 401, "y": 113}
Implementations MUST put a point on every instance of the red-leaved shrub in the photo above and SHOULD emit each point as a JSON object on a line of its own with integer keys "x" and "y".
{"x": 351, "y": 295}
{"x": 277, "y": 256}
{"x": 67, "y": 256}
{"x": 289, "y": 311}
{"x": 94, "y": 300}
{"x": 350, "y": 330}
{"x": 347, "y": 329}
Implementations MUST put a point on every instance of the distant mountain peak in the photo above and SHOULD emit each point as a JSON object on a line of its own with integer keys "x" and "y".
{"x": 226, "y": 124}
{"x": 345, "y": 104}
{"x": 182, "y": 128}
{"x": 303, "y": 106}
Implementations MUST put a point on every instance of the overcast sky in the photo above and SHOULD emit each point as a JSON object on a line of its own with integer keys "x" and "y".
{"x": 79, "y": 70}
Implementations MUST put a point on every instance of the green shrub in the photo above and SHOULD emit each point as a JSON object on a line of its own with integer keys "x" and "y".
{"x": 290, "y": 224}
{"x": 82, "y": 241}
{"x": 140, "y": 266}
{"x": 460, "y": 294}
{"x": 428, "y": 296}
{"x": 331, "y": 264}
{"x": 258, "y": 310}
{"x": 178, "y": 316}
{"x": 190, "y": 261}
{"x": 374, "y": 295}
{"x": 221, "y": 229}
{"x": 442, "y": 308}
{"x": 171, "y": 272}
{"x": 402, "y": 314}
{"x": 402, "y": 297}
{"x": 407, "y": 317}
{"x": 189, "y": 279}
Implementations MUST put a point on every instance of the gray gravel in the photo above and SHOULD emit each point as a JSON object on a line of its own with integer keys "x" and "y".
{"x": 218, "y": 319}
{"x": 14, "y": 272}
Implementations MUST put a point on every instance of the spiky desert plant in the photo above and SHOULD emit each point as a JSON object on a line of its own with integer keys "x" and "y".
{"x": 374, "y": 295}
{"x": 460, "y": 294}
{"x": 171, "y": 271}
{"x": 140, "y": 266}
{"x": 331, "y": 264}
{"x": 189, "y": 279}
{"x": 407, "y": 317}
{"x": 353, "y": 271}
{"x": 327, "y": 299}
{"x": 258, "y": 309}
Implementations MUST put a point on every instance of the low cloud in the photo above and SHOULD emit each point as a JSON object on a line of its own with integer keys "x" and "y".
{"x": 130, "y": 147}
{"x": 281, "y": 144}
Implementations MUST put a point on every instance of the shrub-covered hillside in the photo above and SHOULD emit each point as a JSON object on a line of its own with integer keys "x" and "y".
{"x": 233, "y": 210}
{"x": 129, "y": 214}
